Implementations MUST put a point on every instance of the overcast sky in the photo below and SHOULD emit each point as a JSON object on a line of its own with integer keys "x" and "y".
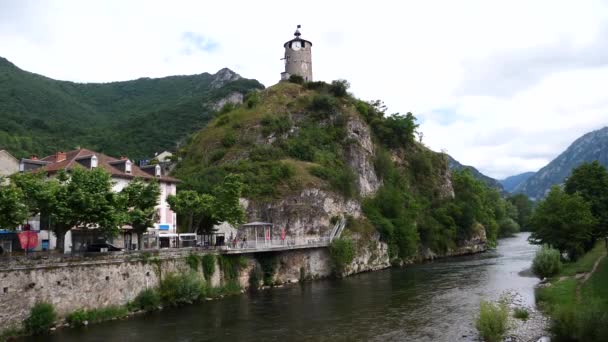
{"x": 504, "y": 86}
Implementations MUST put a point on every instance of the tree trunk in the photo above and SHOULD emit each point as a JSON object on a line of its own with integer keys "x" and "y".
{"x": 60, "y": 234}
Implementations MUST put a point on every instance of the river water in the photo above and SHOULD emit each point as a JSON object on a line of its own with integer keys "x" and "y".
{"x": 429, "y": 302}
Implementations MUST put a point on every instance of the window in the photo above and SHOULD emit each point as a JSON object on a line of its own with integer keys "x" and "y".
{"x": 93, "y": 161}
{"x": 157, "y": 171}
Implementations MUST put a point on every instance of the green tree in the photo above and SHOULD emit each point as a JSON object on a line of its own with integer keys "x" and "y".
{"x": 590, "y": 181}
{"x": 563, "y": 221}
{"x": 203, "y": 211}
{"x": 13, "y": 210}
{"x": 84, "y": 199}
{"x": 524, "y": 208}
{"x": 140, "y": 198}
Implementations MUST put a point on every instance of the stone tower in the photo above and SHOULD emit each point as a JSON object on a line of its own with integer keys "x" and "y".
{"x": 298, "y": 59}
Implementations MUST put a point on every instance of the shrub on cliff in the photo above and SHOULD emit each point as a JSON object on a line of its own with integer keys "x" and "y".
{"x": 41, "y": 318}
{"x": 342, "y": 252}
{"x": 547, "y": 262}
{"x": 178, "y": 289}
{"x": 208, "y": 266}
{"x": 492, "y": 321}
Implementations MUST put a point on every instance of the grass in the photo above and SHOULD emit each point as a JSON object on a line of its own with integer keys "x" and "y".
{"x": 521, "y": 313}
{"x": 79, "y": 317}
{"x": 585, "y": 263}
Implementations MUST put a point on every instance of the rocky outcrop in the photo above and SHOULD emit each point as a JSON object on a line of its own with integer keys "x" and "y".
{"x": 360, "y": 156}
{"x": 224, "y": 76}
{"x": 234, "y": 98}
{"x": 304, "y": 214}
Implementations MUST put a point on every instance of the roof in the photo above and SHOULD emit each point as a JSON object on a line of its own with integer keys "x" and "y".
{"x": 297, "y": 39}
{"x": 104, "y": 162}
{"x": 257, "y": 224}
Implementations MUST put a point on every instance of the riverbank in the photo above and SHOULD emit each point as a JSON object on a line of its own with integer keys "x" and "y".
{"x": 577, "y": 298}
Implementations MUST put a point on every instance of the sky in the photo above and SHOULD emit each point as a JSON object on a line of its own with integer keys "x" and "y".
{"x": 504, "y": 86}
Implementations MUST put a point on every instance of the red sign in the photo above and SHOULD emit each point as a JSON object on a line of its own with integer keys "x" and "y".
{"x": 283, "y": 234}
{"x": 28, "y": 239}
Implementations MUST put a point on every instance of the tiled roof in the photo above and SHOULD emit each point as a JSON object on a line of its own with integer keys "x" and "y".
{"x": 107, "y": 163}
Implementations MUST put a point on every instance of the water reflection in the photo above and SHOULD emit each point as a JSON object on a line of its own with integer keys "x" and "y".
{"x": 429, "y": 302}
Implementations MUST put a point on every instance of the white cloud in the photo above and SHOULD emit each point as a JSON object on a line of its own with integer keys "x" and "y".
{"x": 504, "y": 86}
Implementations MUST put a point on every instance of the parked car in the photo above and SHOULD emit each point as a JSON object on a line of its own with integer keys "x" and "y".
{"x": 98, "y": 247}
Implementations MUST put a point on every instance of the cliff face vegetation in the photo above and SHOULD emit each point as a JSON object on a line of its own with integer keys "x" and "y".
{"x": 310, "y": 153}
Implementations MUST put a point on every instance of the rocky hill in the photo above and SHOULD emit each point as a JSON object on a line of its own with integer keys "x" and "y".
{"x": 310, "y": 154}
{"x": 512, "y": 182}
{"x": 489, "y": 181}
{"x": 591, "y": 146}
{"x": 39, "y": 115}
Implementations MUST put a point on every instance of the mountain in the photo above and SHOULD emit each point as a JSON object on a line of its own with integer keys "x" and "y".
{"x": 39, "y": 115}
{"x": 489, "y": 181}
{"x": 510, "y": 183}
{"x": 591, "y": 146}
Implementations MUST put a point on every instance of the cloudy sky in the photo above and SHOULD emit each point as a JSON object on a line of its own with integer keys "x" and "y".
{"x": 501, "y": 85}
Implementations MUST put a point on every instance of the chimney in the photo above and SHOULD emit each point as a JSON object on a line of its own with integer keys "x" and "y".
{"x": 60, "y": 156}
{"x": 34, "y": 157}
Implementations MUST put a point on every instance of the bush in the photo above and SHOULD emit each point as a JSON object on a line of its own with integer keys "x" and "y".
{"x": 253, "y": 99}
{"x": 547, "y": 262}
{"x": 297, "y": 79}
{"x": 208, "y": 265}
{"x": 325, "y": 104}
{"x": 229, "y": 140}
{"x": 193, "y": 261}
{"x": 179, "y": 289}
{"x": 78, "y": 317}
{"x": 521, "y": 313}
{"x": 580, "y": 323}
{"x": 41, "y": 318}
{"x": 492, "y": 321}
{"x": 339, "y": 88}
{"x": 508, "y": 227}
{"x": 147, "y": 300}
{"x": 342, "y": 252}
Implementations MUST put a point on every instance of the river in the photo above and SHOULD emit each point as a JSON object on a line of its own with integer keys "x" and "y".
{"x": 435, "y": 301}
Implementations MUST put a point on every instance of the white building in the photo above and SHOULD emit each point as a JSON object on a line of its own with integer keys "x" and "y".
{"x": 122, "y": 171}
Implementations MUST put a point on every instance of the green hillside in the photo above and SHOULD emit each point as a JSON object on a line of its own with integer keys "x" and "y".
{"x": 292, "y": 138}
{"x": 39, "y": 115}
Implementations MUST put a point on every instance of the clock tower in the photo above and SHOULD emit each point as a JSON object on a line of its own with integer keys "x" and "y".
{"x": 297, "y": 58}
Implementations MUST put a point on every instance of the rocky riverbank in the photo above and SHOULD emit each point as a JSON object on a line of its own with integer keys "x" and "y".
{"x": 533, "y": 328}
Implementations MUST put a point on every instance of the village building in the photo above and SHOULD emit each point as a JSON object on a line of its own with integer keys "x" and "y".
{"x": 122, "y": 171}
{"x": 8, "y": 164}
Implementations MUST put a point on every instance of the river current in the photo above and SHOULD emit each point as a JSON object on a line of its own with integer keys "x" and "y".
{"x": 435, "y": 301}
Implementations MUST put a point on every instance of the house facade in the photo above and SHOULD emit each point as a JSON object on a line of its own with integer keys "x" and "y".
{"x": 8, "y": 164}
{"x": 122, "y": 171}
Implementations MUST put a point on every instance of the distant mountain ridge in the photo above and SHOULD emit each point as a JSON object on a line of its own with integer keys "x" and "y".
{"x": 510, "y": 183}
{"x": 591, "y": 146}
{"x": 39, "y": 115}
{"x": 453, "y": 164}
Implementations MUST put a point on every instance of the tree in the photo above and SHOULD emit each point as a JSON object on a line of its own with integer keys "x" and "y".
{"x": 13, "y": 210}
{"x": 524, "y": 209}
{"x": 203, "y": 211}
{"x": 84, "y": 199}
{"x": 38, "y": 192}
{"x": 590, "y": 181}
{"x": 563, "y": 221}
{"x": 139, "y": 205}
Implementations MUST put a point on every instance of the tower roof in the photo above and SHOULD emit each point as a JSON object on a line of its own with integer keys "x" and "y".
{"x": 297, "y": 35}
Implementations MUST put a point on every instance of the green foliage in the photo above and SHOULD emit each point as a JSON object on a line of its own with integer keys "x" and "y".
{"x": 229, "y": 140}
{"x": 231, "y": 265}
{"x": 342, "y": 252}
{"x": 275, "y": 125}
{"x": 78, "y": 317}
{"x": 521, "y": 313}
{"x": 546, "y": 262}
{"x": 40, "y": 116}
{"x": 393, "y": 131}
{"x": 492, "y": 322}
{"x": 13, "y": 208}
{"x": 297, "y": 79}
{"x": 203, "y": 210}
{"x": 178, "y": 289}
{"x": 507, "y": 227}
{"x": 563, "y": 221}
{"x": 253, "y": 99}
{"x": 339, "y": 88}
{"x": 590, "y": 181}
{"x": 323, "y": 105}
{"x": 341, "y": 179}
{"x": 255, "y": 277}
{"x": 208, "y": 265}
{"x": 193, "y": 260}
{"x": 524, "y": 207}
{"x": 583, "y": 323}
{"x": 41, "y": 318}
{"x": 140, "y": 199}
{"x": 147, "y": 300}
